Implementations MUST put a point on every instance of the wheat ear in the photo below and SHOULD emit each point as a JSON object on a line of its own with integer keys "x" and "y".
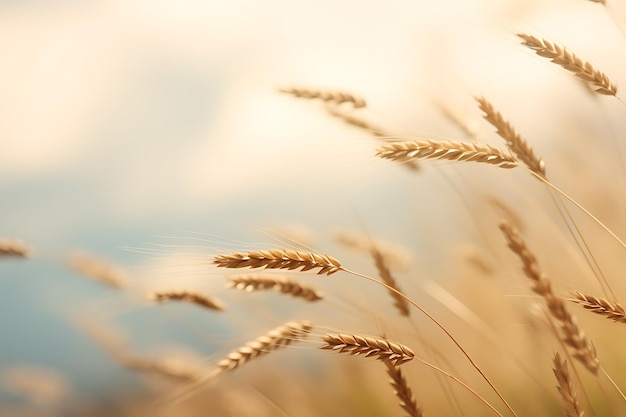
{"x": 282, "y": 284}
{"x": 11, "y": 247}
{"x": 449, "y": 150}
{"x": 571, "y": 403}
{"x": 385, "y": 273}
{"x": 164, "y": 367}
{"x": 514, "y": 141}
{"x": 279, "y": 259}
{"x": 362, "y": 124}
{"x": 278, "y": 338}
{"x": 367, "y": 346}
{"x": 572, "y": 334}
{"x": 571, "y": 62}
{"x": 402, "y": 390}
{"x": 97, "y": 269}
{"x": 327, "y": 96}
{"x": 192, "y": 297}
{"x": 613, "y": 311}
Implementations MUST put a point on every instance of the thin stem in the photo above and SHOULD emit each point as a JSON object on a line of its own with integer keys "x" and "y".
{"x": 581, "y": 208}
{"x": 434, "y": 320}
{"x": 463, "y": 384}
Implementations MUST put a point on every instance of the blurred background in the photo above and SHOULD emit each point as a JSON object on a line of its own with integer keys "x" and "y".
{"x": 150, "y": 133}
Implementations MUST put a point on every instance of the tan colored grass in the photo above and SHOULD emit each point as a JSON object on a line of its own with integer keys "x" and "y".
{"x": 367, "y": 346}
{"x": 402, "y": 390}
{"x": 283, "y": 285}
{"x": 514, "y": 141}
{"x": 278, "y": 338}
{"x": 571, "y": 402}
{"x": 13, "y": 247}
{"x": 571, "y": 62}
{"x": 192, "y": 297}
{"x": 571, "y": 334}
{"x": 612, "y": 311}
{"x": 336, "y": 97}
{"x": 279, "y": 259}
{"x": 448, "y": 150}
{"x": 97, "y": 269}
{"x": 384, "y": 272}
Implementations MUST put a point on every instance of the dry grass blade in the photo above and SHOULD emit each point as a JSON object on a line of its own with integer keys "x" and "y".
{"x": 383, "y": 271}
{"x": 613, "y": 311}
{"x": 336, "y": 97}
{"x": 279, "y": 259}
{"x": 572, "y": 334}
{"x": 571, "y": 406}
{"x": 561, "y": 56}
{"x": 514, "y": 141}
{"x": 449, "y": 150}
{"x": 11, "y": 247}
{"x": 97, "y": 269}
{"x": 402, "y": 390}
{"x": 367, "y": 346}
{"x": 282, "y": 284}
{"x": 276, "y": 339}
{"x": 192, "y": 297}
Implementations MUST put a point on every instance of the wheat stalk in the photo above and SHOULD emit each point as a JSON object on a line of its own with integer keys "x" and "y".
{"x": 572, "y": 335}
{"x": 514, "y": 141}
{"x": 402, "y": 390}
{"x": 327, "y": 96}
{"x": 566, "y": 388}
{"x": 279, "y": 259}
{"x": 449, "y": 150}
{"x": 278, "y": 338}
{"x": 385, "y": 273}
{"x": 367, "y": 346}
{"x": 281, "y": 284}
{"x": 571, "y": 62}
{"x": 192, "y": 297}
{"x": 11, "y": 247}
{"x": 613, "y": 311}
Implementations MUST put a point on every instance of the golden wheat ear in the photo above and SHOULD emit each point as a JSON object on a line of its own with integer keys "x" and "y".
{"x": 283, "y": 285}
{"x": 448, "y": 150}
{"x": 571, "y": 62}
{"x": 571, "y": 334}
{"x": 402, "y": 390}
{"x": 97, "y": 269}
{"x": 571, "y": 402}
{"x": 202, "y": 300}
{"x": 514, "y": 141}
{"x": 335, "y": 97}
{"x": 278, "y": 338}
{"x": 12, "y": 247}
{"x": 367, "y": 346}
{"x": 279, "y": 259}
{"x": 612, "y": 311}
